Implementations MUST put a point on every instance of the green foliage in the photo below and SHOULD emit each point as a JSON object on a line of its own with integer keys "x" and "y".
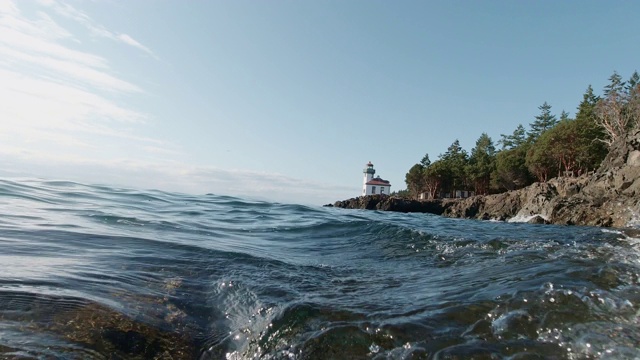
{"x": 434, "y": 176}
{"x": 619, "y": 110}
{"x": 514, "y": 140}
{"x": 633, "y": 82}
{"x": 591, "y": 148}
{"x": 455, "y": 160}
{"x": 405, "y": 194}
{"x": 633, "y": 105}
{"x": 615, "y": 86}
{"x": 425, "y": 160}
{"x": 482, "y": 163}
{"x": 511, "y": 170}
{"x": 551, "y": 147}
{"x": 415, "y": 179}
{"x": 543, "y": 122}
{"x": 538, "y": 160}
{"x": 555, "y": 151}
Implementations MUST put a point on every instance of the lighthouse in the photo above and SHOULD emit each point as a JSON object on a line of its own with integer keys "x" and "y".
{"x": 371, "y": 185}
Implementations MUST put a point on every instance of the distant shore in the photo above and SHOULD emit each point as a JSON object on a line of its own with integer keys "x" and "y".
{"x": 609, "y": 198}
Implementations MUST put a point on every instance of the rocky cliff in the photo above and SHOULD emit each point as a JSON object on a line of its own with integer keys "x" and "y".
{"x": 608, "y": 197}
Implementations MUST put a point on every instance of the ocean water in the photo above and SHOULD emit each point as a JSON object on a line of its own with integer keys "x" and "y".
{"x": 98, "y": 272}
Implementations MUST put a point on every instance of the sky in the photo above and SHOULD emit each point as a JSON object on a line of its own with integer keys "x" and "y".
{"x": 286, "y": 100}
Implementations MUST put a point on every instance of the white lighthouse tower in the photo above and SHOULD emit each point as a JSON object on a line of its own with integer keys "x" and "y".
{"x": 368, "y": 176}
{"x": 371, "y": 185}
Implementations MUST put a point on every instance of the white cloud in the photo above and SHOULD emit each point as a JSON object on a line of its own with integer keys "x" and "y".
{"x": 62, "y": 115}
{"x": 8, "y": 7}
{"x": 50, "y": 28}
{"x": 175, "y": 176}
{"x": 43, "y": 101}
{"x": 131, "y": 41}
{"x": 54, "y": 97}
{"x": 67, "y": 70}
{"x": 25, "y": 35}
{"x": 70, "y": 12}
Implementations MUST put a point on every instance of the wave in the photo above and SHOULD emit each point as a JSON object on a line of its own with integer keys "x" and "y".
{"x": 99, "y": 272}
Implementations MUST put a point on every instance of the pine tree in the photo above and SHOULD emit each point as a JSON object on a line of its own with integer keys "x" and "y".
{"x": 618, "y": 110}
{"x": 543, "y": 122}
{"x": 514, "y": 140}
{"x": 591, "y": 149}
{"x": 633, "y": 82}
{"x": 425, "y": 161}
{"x": 633, "y": 105}
{"x": 455, "y": 160}
{"x": 615, "y": 86}
{"x": 481, "y": 164}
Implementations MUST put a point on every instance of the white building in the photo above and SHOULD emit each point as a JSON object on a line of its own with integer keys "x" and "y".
{"x": 373, "y": 186}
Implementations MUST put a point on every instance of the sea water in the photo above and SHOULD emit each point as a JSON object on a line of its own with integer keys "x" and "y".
{"x": 109, "y": 273}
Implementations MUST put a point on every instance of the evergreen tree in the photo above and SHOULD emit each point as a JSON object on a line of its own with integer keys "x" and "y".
{"x": 511, "y": 171}
{"x": 425, "y": 161}
{"x": 455, "y": 160}
{"x": 633, "y": 82}
{"x": 543, "y": 122}
{"x": 514, "y": 140}
{"x": 564, "y": 116}
{"x": 482, "y": 164}
{"x": 633, "y": 105}
{"x": 590, "y": 147}
{"x": 615, "y": 86}
{"x": 415, "y": 180}
{"x": 619, "y": 110}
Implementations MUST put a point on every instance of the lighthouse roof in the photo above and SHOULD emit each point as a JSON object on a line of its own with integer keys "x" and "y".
{"x": 378, "y": 181}
{"x": 369, "y": 169}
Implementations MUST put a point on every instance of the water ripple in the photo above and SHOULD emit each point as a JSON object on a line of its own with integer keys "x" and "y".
{"x": 104, "y": 272}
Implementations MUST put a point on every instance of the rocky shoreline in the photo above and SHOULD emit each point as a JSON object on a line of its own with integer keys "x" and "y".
{"x": 610, "y": 197}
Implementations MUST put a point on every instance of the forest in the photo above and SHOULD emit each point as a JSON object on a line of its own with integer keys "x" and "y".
{"x": 551, "y": 146}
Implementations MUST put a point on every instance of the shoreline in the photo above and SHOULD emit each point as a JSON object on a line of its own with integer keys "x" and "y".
{"x": 610, "y": 197}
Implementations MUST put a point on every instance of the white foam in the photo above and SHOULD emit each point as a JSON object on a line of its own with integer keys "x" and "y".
{"x": 634, "y": 222}
{"x": 524, "y": 219}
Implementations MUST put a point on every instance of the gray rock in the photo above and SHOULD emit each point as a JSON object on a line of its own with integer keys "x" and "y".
{"x": 609, "y": 197}
{"x": 537, "y": 220}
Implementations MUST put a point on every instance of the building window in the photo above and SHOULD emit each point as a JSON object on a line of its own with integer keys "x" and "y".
{"x": 381, "y": 189}
{"x": 373, "y": 189}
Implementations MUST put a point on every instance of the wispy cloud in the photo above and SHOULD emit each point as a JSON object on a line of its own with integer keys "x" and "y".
{"x": 70, "y": 12}
{"x": 55, "y": 94}
{"x": 131, "y": 41}
{"x": 64, "y": 113}
{"x": 175, "y": 176}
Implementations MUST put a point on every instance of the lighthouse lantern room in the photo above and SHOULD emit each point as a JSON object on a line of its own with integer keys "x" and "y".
{"x": 373, "y": 186}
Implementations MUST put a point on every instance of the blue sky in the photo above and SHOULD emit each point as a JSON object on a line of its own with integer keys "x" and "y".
{"x": 286, "y": 100}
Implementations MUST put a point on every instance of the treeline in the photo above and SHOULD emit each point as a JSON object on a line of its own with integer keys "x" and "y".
{"x": 551, "y": 146}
